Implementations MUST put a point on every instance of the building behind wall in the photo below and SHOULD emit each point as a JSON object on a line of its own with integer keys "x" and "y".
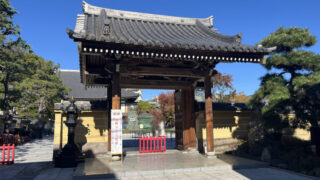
{"x": 92, "y": 129}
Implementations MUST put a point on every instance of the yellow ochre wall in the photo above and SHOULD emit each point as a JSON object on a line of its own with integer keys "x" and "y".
{"x": 91, "y": 131}
{"x": 226, "y": 122}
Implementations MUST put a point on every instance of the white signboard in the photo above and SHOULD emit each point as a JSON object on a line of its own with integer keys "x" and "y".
{"x": 116, "y": 131}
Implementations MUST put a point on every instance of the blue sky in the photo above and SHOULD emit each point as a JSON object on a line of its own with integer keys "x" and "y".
{"x": 43, "y": 25}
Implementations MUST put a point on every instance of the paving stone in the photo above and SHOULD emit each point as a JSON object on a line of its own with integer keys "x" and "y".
{"x": 48, "y": 174}
{"x": 33, "y": 161}
{"x": 66, "y": 174}
{"x": 198, "y": 175}
{"x": 155, "y": 177}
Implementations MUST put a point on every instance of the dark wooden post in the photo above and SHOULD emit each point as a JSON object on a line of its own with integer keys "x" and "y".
{"x": 178, "y": 105}
{"x": 116, "y": 97}
{"x": 116, "y": 90}
{"x": 189, "y": 133}
{"x": 208, "y": 114}
{"x": 109, "y": 115}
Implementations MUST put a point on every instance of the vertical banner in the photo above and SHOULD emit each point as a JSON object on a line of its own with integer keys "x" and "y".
{"x": 116, "y": 131}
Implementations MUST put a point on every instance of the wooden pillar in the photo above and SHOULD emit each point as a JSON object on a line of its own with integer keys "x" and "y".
{"x": 116, "y": 91}
{"x": 189, "y": 133}
{"x": 178, "y": 105}
{"x": 115, "y": 98}
{"x": 109, "y": 115}
{"x": 208, "y": 113}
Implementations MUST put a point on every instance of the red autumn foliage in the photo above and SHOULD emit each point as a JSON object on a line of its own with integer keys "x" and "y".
{"x": 165, "y": 112}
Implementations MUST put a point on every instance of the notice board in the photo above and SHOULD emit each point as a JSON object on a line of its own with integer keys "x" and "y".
{"x": 116, "y": 131}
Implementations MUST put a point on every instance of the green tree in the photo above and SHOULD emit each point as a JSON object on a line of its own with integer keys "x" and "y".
{"x": 12, "y": 50}
{"x": 144, "y": 106}
{"x": 40, "y": 88}
{"x": 292, "y": 71}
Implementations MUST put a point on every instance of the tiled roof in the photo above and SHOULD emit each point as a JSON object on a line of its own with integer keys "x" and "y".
{"x": 157, "y": 31}
{"x": 71, "y": 79}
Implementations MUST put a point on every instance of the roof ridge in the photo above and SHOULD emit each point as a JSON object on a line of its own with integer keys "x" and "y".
{"x": 90, "y": 9}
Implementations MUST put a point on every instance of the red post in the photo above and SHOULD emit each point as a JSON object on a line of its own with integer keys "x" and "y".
{"x": 3, "y": 152}
{"x": 147, "y": 144}
{"x": 8, "y": 153}
{"x": 151, "y": 140}
{"x": 144, "y": 144}
{"x": 157, "y": 139}
{"x": 13, "y": 154}
{"x": 165, "y": 143}
{"x": 140, "y": 145}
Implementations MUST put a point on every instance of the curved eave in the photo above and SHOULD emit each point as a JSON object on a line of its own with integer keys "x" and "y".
{"x": 233, "y": 48}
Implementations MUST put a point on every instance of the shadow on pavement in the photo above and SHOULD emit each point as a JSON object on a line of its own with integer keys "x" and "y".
{"x": 23, "y": 171}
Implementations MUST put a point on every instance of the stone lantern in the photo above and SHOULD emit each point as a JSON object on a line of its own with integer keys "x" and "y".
{"x": 70, "y": 154}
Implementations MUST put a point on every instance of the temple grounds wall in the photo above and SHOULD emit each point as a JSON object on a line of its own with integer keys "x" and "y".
{"x": 91, "y": 132}
{"x": 228, "y": 127}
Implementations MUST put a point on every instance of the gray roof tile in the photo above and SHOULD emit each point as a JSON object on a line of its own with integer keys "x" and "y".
{"x": 71, "y": 79}
{"x": 124, "y": 27}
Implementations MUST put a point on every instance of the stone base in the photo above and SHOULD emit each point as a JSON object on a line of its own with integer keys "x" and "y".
{"x": 69, "y": 157}
{"x": 116, "y": 158}
{"x": 192, "y": 150}
{"x": 211, "y": 155}
{"x": 64, "y": 161}
{"x": 90, "y": 150}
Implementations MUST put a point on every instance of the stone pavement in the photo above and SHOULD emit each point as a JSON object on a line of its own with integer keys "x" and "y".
{"x": 244, "y": 174}
{"x": 33, "y": 161}
{"x": 175, "y": 164}
{"x": 37, "y": 150}
{"x": 172, "y": 161}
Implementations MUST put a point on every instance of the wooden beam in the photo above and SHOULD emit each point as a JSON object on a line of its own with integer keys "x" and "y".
{"x": 155, "y": 84}
{"x": 208, "y": 114}
{"x": 161, "y": 71}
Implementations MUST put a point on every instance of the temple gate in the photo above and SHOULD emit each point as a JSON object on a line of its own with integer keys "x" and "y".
{"x": 122, "y": 49}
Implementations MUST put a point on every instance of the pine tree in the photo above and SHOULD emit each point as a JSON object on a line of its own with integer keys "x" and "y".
{"x": 40, "y": 88}
{"x": 12, "y": 50}
{"x": 292, "y": 73}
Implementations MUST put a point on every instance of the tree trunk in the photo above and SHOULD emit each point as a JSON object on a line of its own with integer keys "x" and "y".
{"x": 162, "y": 128}
{"x": 7, "y": 113}
{"x": 42, "y": 107}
